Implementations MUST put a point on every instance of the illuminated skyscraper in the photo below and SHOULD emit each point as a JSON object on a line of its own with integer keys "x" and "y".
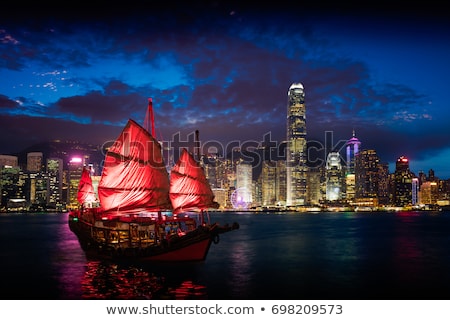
{"x": 352, "y": 149}
{"x": 366, "y": 174}
{"x": 281, "y": 182}
{"x": 55, "y": 183}
{"x": 416, "y": 194}
{"x": 7, "y": 160}
{"x": 314, "y": 181}
{"x": 333, "y": 176}
{"x": 402, "y": 182}
{"x": 429, "y": 192}
{"x": 268, "y": 183}
{"x": 383, "y": 183}
{"x": 296, "y": 168}
{"x": 76, "y": 165}
{"x": 242, "y": 196}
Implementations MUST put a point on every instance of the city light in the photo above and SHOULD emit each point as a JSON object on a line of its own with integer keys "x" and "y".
{"x": 76, "y": 160}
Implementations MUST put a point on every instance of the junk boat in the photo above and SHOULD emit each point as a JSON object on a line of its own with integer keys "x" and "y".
{"x": 140, "y": 211}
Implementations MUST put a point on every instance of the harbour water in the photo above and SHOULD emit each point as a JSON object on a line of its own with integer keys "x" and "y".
{"x": 345, "y": 255}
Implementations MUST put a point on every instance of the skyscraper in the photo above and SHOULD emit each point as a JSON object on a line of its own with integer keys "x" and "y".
{"x": 268, "y": 183}
{"x": 333, "y": 176}
{"x": 366, "y": 174}
{"x": 402, "y": 182}
{"x": 243, "y": 193}
{"x": 75, "y": 166}
{"x": 55, "y": 183}
{"x": 352, "y": 149}
{"x": 296, "y": 168}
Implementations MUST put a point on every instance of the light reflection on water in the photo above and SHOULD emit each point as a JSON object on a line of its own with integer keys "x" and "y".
{"x": 109, "y": 280}
{"x": 68, "y": 263}
{"x": 272, "y": 256}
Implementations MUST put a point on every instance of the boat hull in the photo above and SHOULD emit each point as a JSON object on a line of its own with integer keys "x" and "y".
{"x": 143, "y": 241}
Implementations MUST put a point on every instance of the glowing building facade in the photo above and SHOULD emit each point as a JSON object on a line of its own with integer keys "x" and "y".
{"x": 402, "y": 182}
{"x": 268, "y": 183}
{"x": 366, "y": 174}
{"x": 55, "y": 183}
{"x": 333, "y": 177}
{"x": 352, "y": 149}
{"x": 75, "y": 169}
{"x": 296, "y": 168}
{"x": 242, "y": 196}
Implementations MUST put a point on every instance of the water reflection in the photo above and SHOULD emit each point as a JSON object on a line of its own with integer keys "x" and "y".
{"x": 410, "y": 246}
{"x": 241, "y": 272}
{"x": 108, "y": 280}
{"x": 275, "y": 256}
{"x": 67, "y": 261}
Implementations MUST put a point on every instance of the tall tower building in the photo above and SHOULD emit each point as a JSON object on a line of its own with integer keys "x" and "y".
{"x": 268, "y": 183}
{"x": 55, "y": 182}
{"x": 314, "y": 181}
{"x": 416, "y": 193}
{"x": 402, "y": 182}
{"x": 296, "y": 168}
{"x": 281, "y": 182}
{"x": 429, "y": 192}
{"x": 352, "y": 149}
{"x": 366, "y": 174}
{"x": 242, "y": 197}
{"x": 75, "y": 166}
{"x": 333, "y": 177}
{"x": 383, "y": 183}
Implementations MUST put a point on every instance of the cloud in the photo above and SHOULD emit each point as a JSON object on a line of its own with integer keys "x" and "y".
{"x": 224, "y": 69}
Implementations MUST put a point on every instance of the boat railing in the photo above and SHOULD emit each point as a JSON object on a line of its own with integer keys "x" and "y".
{"x": 134, "y": 236}
{"x": 125, "y": 233}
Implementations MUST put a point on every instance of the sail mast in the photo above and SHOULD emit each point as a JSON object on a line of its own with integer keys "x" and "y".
{"x": 149, "y": 121}
{"x": 197, "y": 146}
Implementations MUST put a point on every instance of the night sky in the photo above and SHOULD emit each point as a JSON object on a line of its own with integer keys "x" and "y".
{"x": 224, "y": 68}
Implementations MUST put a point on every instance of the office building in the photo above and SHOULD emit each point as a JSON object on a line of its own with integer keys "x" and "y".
{"x": 9, "y": 161}
{"x": 34, "y": 161}
{"x": 352, "y": 148}
{"x": 367, "y": 177}
{"x": 402, "y": 194}
{"x": 333, "y": 172}
{"x": 296, "y": 168}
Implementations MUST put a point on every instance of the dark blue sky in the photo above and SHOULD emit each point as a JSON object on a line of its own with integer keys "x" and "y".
{"x": 224, "y": 68}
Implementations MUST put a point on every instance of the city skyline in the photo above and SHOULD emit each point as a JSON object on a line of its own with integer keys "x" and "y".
{"x": 225, "y": 69}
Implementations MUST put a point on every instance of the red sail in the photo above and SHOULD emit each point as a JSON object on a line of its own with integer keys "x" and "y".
{"x": 134, "y": 176}
{"x": 86, "y": 191}
{"x": 189, "y": 189}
